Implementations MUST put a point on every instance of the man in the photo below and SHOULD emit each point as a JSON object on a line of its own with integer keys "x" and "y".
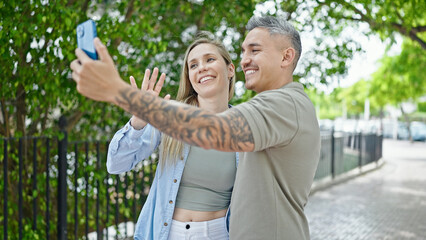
{"x": 277, "y": 130}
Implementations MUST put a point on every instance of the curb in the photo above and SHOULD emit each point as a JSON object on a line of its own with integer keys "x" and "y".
{"x": 327, "y": 182}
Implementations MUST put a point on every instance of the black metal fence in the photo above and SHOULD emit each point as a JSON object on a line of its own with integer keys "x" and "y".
{"x": 54, "y": 188}
{"x": 342, "y": 152}
{"x": 59, "y": 189}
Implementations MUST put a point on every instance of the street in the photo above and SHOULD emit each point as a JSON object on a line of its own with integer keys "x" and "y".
{"x": 388, "y": 203}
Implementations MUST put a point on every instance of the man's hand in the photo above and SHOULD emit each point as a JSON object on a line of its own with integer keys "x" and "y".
{"x": 148, "y": 85}
{"x": 98, "y": 80}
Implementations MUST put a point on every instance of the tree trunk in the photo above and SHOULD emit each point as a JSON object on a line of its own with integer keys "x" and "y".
{"x": 381, "y": 120}
{"x": 5, "y": 130}
{"x": 73, "y": 120}
{"x": 407, "y": 122}
{"x": 21, "y": 110}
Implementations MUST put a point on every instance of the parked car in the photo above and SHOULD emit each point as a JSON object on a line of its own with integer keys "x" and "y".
{"x": 387, "y": 129}
{"x": 402, "y": 132}
{"x": 392, "y": 130}
{"x": 418, "y": 131}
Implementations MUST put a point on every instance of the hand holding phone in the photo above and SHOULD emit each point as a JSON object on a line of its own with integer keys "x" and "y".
{"x": 86, "y": 32}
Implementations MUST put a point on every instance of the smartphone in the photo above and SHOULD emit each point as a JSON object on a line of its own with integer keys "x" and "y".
{"x": 86, "y": 32}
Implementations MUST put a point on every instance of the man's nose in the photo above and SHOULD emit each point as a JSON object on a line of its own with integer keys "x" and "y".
{"x": 244, "y": 60}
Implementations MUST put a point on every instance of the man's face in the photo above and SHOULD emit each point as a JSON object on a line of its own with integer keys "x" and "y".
{"x": 261, "y": 59}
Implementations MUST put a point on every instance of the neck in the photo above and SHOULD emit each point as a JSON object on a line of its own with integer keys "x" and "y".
{"x": 216, "y": 105}
{"x": 287, "y": 81}
{"x": 277, "y": 84}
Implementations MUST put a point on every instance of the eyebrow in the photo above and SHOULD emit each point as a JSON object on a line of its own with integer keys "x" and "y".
{"x": 252, "y": 45}
{"x": 207, "y": 54}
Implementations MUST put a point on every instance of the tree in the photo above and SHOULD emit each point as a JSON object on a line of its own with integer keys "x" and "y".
{"x": 386, "y": 17}
{"x": 326, "y": 62}
{"x": 400, "y": 78}
{"x": 327, "y": 106}
{"x": 354, "y": 97}
{"x": 38, "y": 42}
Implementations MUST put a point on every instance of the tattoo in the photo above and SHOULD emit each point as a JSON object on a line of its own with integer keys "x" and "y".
{"x": 227, "y": 131}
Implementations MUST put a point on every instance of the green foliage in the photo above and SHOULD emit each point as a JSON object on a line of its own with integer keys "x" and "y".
{"x": 325, "y": 62}
{"x": 385, "y": 17}
{"x": 421, "y": 107}
{"x": 417, "y": 116}
{"x": 36, "y": 86}
{"x": 355, "y": 97}
{"x": 400, "y": 78}
{"x": 327, "y": 107}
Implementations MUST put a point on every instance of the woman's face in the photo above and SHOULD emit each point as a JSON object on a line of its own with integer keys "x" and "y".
{"x": 208, "y": 73}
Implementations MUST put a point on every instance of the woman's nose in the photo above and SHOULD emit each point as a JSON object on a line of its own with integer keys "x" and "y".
{"x": 202, "y": 67}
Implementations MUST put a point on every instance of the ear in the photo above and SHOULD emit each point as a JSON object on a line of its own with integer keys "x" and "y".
{"x": 288, "y": 56}
{"x": 231, "y": 70}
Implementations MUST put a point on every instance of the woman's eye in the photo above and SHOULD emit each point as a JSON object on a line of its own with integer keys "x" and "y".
{"x": 210, "y": 59}
{"x": 192, "y": 66}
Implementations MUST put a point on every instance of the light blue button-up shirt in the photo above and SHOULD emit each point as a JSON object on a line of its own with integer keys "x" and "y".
{"x": 127, "y": 148}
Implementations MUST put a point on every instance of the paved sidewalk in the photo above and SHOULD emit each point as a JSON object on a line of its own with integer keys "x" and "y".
{"x": 388, "y": 203}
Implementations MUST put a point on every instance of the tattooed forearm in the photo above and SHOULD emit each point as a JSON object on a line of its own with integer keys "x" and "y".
{"x": 226, "y": 132}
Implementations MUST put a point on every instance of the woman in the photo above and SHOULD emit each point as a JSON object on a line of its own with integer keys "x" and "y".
{"x": 191, "y": 191}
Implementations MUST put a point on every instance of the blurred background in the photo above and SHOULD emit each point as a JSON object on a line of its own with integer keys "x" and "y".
{"x": 361, "y": 60}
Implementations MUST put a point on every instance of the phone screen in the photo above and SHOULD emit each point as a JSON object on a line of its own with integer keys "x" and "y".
{"x": 86, "y": 32}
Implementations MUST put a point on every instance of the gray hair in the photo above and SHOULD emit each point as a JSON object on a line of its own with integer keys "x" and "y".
{"x": 277, "y": 25}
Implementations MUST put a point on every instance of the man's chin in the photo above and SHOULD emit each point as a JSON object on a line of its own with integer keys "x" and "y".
{"x": 249, "y": 85}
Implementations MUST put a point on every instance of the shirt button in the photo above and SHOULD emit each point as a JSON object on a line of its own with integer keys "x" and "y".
{"x": 175, "y": 180}
{"x": 181, "y": 157}
{"x": 170, "y": 201}
{"x": 165, "y": 224}
{"x": 127, "y": 127}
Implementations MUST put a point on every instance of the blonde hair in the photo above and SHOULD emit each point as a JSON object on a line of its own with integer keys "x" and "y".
{"x": 171, "y": 149}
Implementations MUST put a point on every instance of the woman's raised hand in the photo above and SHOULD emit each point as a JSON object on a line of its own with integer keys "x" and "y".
{"x": 148, "y": 85}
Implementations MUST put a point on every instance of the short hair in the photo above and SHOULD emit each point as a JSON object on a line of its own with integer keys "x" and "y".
{"x": 277, "y": 25}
